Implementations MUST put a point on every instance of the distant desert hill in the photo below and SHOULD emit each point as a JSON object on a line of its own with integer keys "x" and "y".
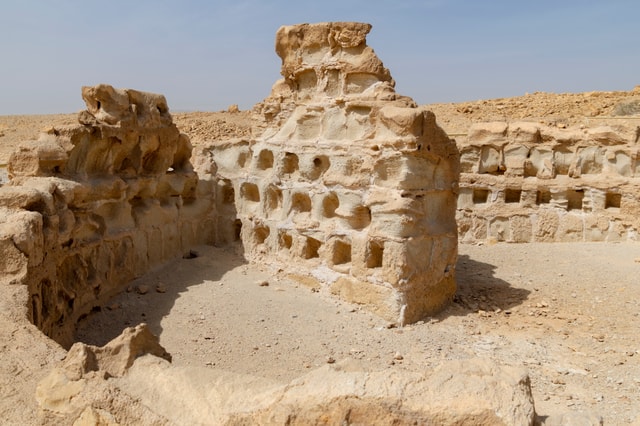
{"x": 562, "y": 109}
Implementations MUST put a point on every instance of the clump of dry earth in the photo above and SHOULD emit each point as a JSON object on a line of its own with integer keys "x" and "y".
{"x": 567, "y": 312}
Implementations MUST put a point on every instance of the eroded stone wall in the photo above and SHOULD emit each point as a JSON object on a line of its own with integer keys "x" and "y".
{"x": 526, "y": 182}
{"x": 93, "y": 206}
{"x": 344, "y": 181}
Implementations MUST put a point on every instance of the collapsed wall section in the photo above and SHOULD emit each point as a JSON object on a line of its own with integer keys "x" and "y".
{"x": 93, "y": 206}
{"x": 344, "y": 183}
{"x": 529, "y": 182}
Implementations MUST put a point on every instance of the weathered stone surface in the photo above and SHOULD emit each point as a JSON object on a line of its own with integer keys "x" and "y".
{"x": 474, "y": 392}
{"x": 91, "y": 207}
{"x": 529, "y": 182}
{"x": 344, "y": 180}
{"x": 79, "y": 390}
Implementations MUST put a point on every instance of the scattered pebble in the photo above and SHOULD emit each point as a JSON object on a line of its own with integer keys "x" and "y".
{"x": 142, "y": 289}
{"x": 160, "y": 288}
{"x": 263, "y": 283}
{"x": 398, "y": 356}
{"x": 330, "y": 360}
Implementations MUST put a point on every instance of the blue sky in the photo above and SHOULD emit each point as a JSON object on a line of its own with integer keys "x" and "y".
{"x": 207, "y": 55}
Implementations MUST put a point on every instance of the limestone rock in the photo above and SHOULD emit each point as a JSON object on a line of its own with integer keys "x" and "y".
{"x": 80, "y": 383}
{"x": 521, "y": 179}
{"x": 343, "y": 173}
{"x": 92, "y": 206}
{"x": 458, "y": 392}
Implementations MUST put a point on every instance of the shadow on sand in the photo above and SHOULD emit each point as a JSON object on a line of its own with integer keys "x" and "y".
{"x": 480, "y": 290}
{"x": 162, "y": 287}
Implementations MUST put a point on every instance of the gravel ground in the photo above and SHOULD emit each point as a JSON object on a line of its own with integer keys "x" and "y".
{"x": 567, "y": 312}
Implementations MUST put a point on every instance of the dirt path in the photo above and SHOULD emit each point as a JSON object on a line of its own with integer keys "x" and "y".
{"x": 568, "y": 312}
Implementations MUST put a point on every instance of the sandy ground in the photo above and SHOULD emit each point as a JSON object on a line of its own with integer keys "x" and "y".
{"x": 569, "y": 313}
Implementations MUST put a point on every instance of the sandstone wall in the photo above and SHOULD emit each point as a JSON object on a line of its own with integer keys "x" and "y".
{"x": 344, "y": 181}
{"x": 526, "y": 182}
{"x": 91, "y": 207}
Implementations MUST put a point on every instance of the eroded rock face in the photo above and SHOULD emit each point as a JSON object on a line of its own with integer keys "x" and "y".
{"x": 344, "y": 180}
{"x": 90, "y": 207}
{"x": 469, "y": 392}
{"x": 79, "y": 390}
{"x": 527, "y": 182}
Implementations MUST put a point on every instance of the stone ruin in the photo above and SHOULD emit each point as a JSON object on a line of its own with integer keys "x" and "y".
{"x": 531, "y": 182}
{"x": 344, "y": 178}
{"x": 91, "y": 207}
{"x": 345, "y": 186}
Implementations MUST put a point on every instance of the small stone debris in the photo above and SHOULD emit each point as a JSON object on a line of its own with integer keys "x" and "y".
{"x": 330, "y": 360}
{"x": 263, "y": 283}
{"x": 398, "y": 356}
{"x": 142, "y": 289}
{"x": 161, "y": 288}
{"x": 191, "y": 254}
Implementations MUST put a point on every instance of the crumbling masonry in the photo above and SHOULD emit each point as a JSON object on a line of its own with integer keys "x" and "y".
{"x": 345, "y": 186}
{"x": 345, "y": 180}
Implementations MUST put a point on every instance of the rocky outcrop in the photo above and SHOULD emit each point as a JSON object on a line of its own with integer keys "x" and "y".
{"x": 90, "y": 207}
{"x": 344, "y": 181}
{"x": 526, "y": 182}
{"x": 123, "y": 383}
{"x": 78, "y": 391}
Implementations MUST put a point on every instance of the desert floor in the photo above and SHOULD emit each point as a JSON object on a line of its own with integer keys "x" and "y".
{"x": 569, "y": 313}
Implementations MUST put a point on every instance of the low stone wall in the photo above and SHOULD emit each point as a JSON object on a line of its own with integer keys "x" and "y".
{"x": 526, "y": 182}
{"x": 91, "y": 207}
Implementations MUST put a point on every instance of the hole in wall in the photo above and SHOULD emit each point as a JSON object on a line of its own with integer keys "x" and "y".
{"x": 543, "y": 196}
{"x": 480, "y": 196}
{"x": 330, "y": 204}
{"x": 311, "y": 248}
{"x": 361, "y": 217}
{"x": 512, "y": 195}
{"x": 612, "y": 200}
{"x": 228, "y": 193}
{"x": 273, "y": 198}
{"x": 290, "y": 163}
{"x": 242, "y": 159}
{"x": 261, "y": 233}
{"x": 249, "y": 191}
{"x": 265, "y": 159}
{"x": 574, "y": 199}
{"x": 341, "y": 252}
{"x": 321, "y": 164}
{"x": 237, "y": 230}
{"x": 375, "y": 251}
{"x": 285, "y": 240}
{"x": 300, "y": 202}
